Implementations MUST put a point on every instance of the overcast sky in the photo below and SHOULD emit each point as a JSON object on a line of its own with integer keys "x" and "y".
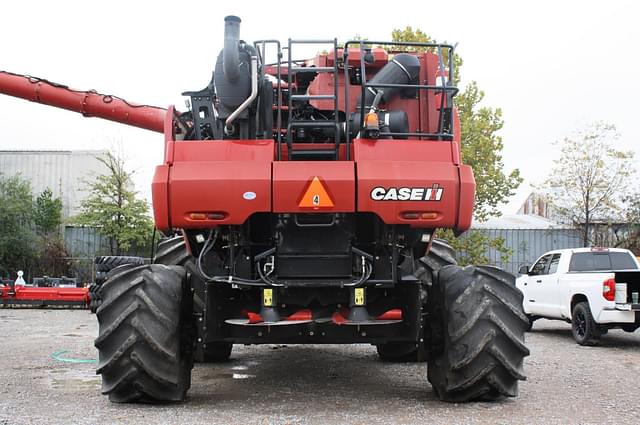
{"x": 552, "y": 66}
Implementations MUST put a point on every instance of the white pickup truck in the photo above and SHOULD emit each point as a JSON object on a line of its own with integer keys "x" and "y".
{"x": 594, "y": 289}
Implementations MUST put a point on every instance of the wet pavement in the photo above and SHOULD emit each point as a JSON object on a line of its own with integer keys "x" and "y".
{"x": 48, "y": 376}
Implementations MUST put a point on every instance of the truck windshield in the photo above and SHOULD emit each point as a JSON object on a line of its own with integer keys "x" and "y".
{"x": 601, "y": 261}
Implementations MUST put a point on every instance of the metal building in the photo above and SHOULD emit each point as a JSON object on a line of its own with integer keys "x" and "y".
{"x": 66, "y": 173}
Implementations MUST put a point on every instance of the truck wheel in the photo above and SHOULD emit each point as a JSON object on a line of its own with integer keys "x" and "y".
{"x": 144, "y": 343}
{"x": 439, "y": 255}
{"x": 585, "y": 330}
{"x": 476, "y": 342}
{"x": 173, "y": 251}
{"x": 531, "y": 319}
{"x": 631, "y": 328}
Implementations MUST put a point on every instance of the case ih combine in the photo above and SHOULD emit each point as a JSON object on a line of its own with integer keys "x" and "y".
{"x": 306, "y": 196}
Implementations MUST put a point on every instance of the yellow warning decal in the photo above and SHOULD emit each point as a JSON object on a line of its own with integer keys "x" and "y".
{"x": 267, "y": 297}
{"x": 316, "y": 196}
{"x": 358, "y": 296}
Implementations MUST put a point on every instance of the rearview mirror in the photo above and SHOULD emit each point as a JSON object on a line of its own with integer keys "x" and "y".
{"x": 523, "y": 270}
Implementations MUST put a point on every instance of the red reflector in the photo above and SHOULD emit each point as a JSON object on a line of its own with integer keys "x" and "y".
{"x": 216, "y": 216}
{"x": 410, "y": 215}
{"x": 395, "y": 314}
{"x": 301, "y": 315}
{"x": 415, "y": 215}
{"x": 609, "y": 289}
{"x": 254, "y": 317}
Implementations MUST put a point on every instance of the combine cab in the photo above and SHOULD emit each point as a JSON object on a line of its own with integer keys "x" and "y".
{"x": 306, "y": 196}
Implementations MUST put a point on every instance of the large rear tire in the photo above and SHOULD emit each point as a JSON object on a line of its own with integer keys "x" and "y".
{"x": 476, "y": 346}
{"x": 173, "y": 251}
{"x": 144, "y": 341}
{"x": 440, "y": 254}
{"x": 104, "y": 266}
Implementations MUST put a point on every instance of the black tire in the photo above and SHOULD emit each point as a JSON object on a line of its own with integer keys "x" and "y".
{"x": 173, "y": 251}
{"x": 631, "y": 328}
{"x": 144, "y": 346}
{"x": 108, "y": 262}
{"x": 531, "y": 319}
{"x": 585, "y": 330}
{"x": 476, "y": 347}
{"x": 440, "y": 254}
{"x": 104, "y": 267}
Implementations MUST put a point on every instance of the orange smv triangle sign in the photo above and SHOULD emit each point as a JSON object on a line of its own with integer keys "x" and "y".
{"x": 316, "y": 196}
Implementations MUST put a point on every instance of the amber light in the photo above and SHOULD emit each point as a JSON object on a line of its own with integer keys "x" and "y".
{"x": 218, "y": 215}
{"x": 419, "y": 215}
{"x": 371, "y": 120}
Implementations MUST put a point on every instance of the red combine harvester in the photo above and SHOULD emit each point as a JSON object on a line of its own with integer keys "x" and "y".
{"x": 306, "y": 196}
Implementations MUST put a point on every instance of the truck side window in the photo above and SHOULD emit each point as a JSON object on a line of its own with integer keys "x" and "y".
{"x": 553, "y": 265}
{"x": 540, "y": 267}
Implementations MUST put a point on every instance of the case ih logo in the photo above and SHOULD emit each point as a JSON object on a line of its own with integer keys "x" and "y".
{"x": 433, "y": 193}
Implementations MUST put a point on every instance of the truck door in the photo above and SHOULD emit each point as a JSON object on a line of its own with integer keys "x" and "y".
{"x": 549, "y": 291}
{"x": 534, "y": 286}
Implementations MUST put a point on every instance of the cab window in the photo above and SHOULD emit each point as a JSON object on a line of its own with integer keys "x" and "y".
{"x": 553, "y": 264}
{"x": 541, "y": 265}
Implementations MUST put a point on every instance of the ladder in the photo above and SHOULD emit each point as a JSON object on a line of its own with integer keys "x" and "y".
{"x": 331, "y": 152}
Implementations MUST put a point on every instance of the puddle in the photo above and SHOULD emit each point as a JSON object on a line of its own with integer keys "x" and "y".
{"x": 240, "y": 367}
{"x": 73, "y": 380}
{"x": 76, "y": 383}
{"x": 242, "y": 376}
{"x": 227, "y": 375}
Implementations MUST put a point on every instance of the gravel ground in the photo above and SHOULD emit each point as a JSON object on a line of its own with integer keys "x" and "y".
{"x": 310, "y": 384}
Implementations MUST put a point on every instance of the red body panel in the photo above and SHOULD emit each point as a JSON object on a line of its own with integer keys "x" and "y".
{"x": 160, "y": 196}
{"x": 239, "y": 178}
{"x": 228, "y": 177}
{"x": 292, "y": 178}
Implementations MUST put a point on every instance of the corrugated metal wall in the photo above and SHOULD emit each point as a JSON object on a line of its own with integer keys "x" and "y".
{"x": 84, "y": 243}
{"x": 529, "y": 244}
{"x": 64, "y": 172}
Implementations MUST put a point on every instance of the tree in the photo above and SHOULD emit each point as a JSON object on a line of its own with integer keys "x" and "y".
{"x": 18, "y": 242}
{"x": 631, "y": 237}
{"x": 113, "y": 208}
{"x": 52, "y": 255}
{"x": 47, "y": 213}
{"x": 481, "y": 147}
{"x": 587, "y": 179}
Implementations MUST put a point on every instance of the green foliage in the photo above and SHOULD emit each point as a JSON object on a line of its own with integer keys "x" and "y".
{"x": 18, "y": 241}
{"x": 47, "y": 213}
{"x": 408, "y": 34}
{"x": 473, "y": 245}
{"x": 586, "y": 180}
{"x": 112, "y": 206}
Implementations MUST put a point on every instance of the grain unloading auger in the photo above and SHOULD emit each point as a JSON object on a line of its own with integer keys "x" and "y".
{"x": 307, "y": 195}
